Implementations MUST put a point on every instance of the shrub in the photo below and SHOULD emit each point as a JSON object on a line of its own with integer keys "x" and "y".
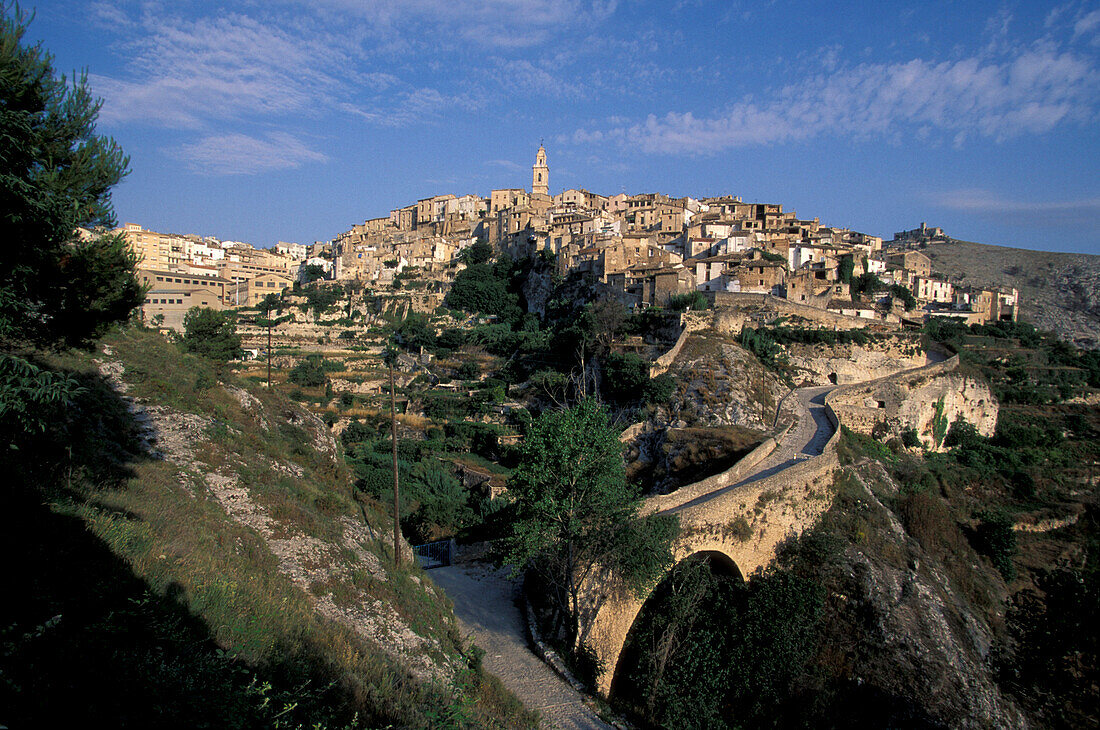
{"x": 451, "y": 339}
{"x": 625, "y": 377}
{"x": 994, "y": 537}
{"x": 211, "y": 333}
{"x": 761, "y": 343}
{"x": 309, "y": 372}
{"x": 357, "y": 431}
{"x": 689, "y": 301}
{"x": 910, "y": 439}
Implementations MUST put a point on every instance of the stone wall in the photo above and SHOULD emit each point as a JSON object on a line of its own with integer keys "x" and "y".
{"x": 662, "y": 363}
{"x": 732, "y": 309}
{"x": 843, "y": 364}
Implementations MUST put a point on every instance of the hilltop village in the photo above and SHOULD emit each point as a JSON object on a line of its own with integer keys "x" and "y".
{"x": 645, "y": 249}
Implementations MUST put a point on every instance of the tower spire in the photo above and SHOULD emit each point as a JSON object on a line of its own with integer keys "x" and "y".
{"x": 540, "y": 173}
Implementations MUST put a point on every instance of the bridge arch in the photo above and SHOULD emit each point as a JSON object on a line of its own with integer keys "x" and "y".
{"x": 719, "y": 562}
{"x": 730, "y": 529}
{"x": 613, "y": 609}
{"x": 734, "y": 516}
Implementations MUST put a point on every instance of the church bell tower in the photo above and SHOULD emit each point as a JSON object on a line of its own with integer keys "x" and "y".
{"x": 540, "y": 174}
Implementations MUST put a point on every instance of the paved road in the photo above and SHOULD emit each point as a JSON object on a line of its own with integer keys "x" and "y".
{"x": 805, "y": 440}
{"x": 486, "y": 608}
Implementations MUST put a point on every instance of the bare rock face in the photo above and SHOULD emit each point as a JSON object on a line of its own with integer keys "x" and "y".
{"x": 537, "y": 290}
{"x": 927, "y": 404}
{"x": 719, "y": 383}
{"x": 841, "y": 364}
{"x": 949, "y": 398}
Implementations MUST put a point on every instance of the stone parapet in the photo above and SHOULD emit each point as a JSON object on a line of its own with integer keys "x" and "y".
{"x": 741, "y": 524}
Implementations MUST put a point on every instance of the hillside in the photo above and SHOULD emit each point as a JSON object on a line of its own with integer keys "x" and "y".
{"x": 1060, "y": 291}
{"x": 193, "y": 554}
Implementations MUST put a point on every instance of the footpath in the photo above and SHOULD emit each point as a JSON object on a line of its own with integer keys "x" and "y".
{"x": 485, "y": 602}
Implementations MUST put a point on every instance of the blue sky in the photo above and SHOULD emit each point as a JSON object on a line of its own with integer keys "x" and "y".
{"x": 267, "y": 120}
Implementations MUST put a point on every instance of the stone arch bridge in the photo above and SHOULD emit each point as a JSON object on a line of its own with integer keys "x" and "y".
{"x": 742, "y": 514}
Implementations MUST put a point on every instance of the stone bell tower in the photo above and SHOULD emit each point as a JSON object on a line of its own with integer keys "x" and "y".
{"x": 540, "y": 174}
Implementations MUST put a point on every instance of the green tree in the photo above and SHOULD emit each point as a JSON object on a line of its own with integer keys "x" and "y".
{"x": 312, "y": 273}
{"x": 626, "y": 379}
{"x": 479, "y": 253}
{"x": 309, "y": 372}
{"x": 211, "y": 333}
{"x": 846, "y": 268}
{"x": 57, "y": 289}
{"x": 273, "y": 302}
{"x": 477, "y": 288}
{"x": 898, "y": 291}
{"x": 574, "y": 511}
{"x": 866, "y": 283}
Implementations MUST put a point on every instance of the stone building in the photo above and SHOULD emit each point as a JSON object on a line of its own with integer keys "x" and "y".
{"x": 933, "y": 289}
{"x": 912, "y": 261}
{"x": 166, "y": 307}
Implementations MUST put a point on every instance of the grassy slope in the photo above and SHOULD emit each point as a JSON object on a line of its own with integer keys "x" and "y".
{"x": 184, "y": 590}
{"x": 1060, "y": 291}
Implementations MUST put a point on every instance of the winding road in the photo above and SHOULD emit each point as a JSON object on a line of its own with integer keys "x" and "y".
{"x": 805, "y": 440}
{"x": 485, "y": 601}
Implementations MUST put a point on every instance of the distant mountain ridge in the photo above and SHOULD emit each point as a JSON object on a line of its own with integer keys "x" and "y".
{"x": 1059, "y": 292}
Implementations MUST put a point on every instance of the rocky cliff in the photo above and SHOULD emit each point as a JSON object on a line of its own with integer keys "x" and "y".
{"x": 926, "y": 404}
{"x": 915, "y": 627}
{"x": 719, "y": 383}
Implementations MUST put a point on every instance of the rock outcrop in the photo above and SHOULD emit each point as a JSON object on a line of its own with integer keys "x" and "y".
{"x": 849, "y": 363}
{"x": 927, "y": 404}
{"x": 719, "y": 383}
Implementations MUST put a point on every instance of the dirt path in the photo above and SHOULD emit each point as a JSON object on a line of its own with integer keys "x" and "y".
{"x": 484, "y": 602}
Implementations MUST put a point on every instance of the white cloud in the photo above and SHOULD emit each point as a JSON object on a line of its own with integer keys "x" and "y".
{"x": 1030, "y": 93}
{"x": 282, "y": 64}
{"x": 978, "y": 200}
{"x": 183, "y": 72}
{"x": 240, "y": 154}
{"x": 481, "y": 23}
{"x": 526, "y": 78}
{"x": 412, "y": 106}
{"x": 1077, "y": 218}
{"x": 1087, "y": 24}
{"x": 510, "y": 165}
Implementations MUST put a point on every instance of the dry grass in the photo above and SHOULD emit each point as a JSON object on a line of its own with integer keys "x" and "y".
{"x": 165, "y": 526}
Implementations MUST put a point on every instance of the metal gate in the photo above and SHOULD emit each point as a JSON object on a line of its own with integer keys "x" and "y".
{"x": 434, "y": 554}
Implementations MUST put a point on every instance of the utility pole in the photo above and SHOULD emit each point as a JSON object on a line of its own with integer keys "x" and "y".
{"x": 763, "y": 406}
{"x": 396, "y": 498}
{"x": 269, "y": 324}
